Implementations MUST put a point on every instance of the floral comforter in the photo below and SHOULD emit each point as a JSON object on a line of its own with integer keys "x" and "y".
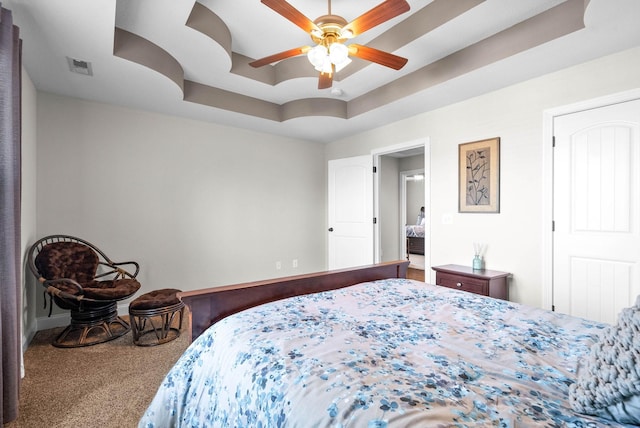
{"x": 390, "y": 353}
{"x": 414, "y": 231}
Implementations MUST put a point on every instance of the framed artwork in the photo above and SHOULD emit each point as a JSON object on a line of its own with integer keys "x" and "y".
{"x": 479, "y": 176}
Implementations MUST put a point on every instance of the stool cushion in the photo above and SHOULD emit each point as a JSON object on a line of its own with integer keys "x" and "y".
{"x": 156, "y": 299}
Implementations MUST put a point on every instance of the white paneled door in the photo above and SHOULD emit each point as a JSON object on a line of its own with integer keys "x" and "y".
{"x": 350, "y": 215}
{"x": 596, "y": 211}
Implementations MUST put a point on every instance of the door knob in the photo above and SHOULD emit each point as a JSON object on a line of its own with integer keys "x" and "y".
{"x": 331, "y": 229}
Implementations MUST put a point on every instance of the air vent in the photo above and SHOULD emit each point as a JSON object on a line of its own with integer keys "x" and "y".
{"x": 80, "y": 66}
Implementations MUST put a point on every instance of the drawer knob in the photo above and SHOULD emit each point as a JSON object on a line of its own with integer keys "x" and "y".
{"x": 459, "y": 284}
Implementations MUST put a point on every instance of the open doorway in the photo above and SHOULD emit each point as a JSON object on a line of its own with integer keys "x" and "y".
{"x": 412, "y": 206}
{"x": 401, "y": 187}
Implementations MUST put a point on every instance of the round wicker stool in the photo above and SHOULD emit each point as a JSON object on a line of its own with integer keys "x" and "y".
{"x": 155, "y": 313}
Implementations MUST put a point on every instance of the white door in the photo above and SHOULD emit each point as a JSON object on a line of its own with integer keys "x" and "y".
{"x": 350, "y": 216}
{"x": 596, "y": 205}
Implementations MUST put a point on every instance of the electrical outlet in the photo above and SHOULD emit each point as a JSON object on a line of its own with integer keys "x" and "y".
{"x": 278, "y": 265}
{"x": 294, "y": 263}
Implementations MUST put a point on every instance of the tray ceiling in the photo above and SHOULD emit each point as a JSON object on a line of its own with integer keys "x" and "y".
{"x": 191, "y": 58}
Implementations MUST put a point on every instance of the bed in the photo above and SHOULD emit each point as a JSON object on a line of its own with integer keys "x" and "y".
{"x": 378, "y": 353}
{"x": 415, "y": 239}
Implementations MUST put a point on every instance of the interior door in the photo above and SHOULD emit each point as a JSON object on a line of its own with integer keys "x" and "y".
{"x": 350, "y": 216}
{"x": 596, "y": 241}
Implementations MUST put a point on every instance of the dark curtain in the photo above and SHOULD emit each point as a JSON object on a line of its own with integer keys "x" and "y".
{"x": 10, "y": 259}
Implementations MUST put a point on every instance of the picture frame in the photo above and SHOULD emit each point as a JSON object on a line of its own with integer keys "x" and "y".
{"x": 479, "y": 176}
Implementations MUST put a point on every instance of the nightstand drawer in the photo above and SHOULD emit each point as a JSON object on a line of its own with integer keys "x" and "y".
{"x": 472, "y": 285}
{"x": 485, "y": 282}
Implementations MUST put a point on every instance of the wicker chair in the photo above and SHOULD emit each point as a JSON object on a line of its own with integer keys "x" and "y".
{"x": 79, "y": 277}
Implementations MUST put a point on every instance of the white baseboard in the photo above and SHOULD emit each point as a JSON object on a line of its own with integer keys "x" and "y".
{"x": 58, "y": 320}
{"x": 27, "y": 337}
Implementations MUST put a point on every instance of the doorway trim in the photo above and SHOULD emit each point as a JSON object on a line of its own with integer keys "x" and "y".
{"x": 400, "y": 147}
{"x": 548, "y": 180}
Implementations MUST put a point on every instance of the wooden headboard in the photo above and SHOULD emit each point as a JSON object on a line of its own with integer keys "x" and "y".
{"x": 210, "y": 305}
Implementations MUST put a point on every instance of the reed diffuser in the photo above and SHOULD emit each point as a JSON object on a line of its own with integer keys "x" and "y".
{"x": 478, "y": 258}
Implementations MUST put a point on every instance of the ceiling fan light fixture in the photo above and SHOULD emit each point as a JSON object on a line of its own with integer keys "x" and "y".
{"x": 326, "y": 67}
{"x": 338, "y": 53}
{"x": 339, "y": 66}
{"x": 342, "y": 65}
{"x": 329, "y": 60}
{"x": 317, "y": 56}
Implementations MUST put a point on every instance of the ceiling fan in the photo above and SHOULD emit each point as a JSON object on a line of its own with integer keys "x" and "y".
{"x": 329, "y": 32}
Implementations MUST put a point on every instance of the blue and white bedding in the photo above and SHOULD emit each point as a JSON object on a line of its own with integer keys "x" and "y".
{"x": 414, "y": 231}
{"x": 390, "y": 353}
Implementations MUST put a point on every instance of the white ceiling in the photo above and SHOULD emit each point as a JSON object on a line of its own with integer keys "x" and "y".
{"x": 372, "y": 95}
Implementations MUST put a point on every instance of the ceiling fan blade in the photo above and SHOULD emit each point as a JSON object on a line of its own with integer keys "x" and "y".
{"x": 376, "y": 16}
{"x": 379, "y": 57}
{"x": 292, "y": 14}
{"x": 280, "y": 56}
{"x": 325, "y": 80}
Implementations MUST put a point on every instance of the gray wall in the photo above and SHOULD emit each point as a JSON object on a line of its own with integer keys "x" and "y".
{"x": 31, "y": 289}
{"x": 415, "y": 189}
{"x": 415, "y": 200}
{"x": 196, "y": 204}
{"x": 389, "y": 208}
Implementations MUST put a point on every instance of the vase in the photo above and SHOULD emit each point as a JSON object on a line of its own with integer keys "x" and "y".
{"x": 477, "y": 263}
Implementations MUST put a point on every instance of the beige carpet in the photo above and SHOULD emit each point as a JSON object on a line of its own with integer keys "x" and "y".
{"x": 107, "y": 385}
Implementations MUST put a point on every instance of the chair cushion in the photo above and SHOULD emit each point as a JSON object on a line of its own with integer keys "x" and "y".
{"x": 67, "y": 260}
{"x": 156, "y": 299}
{"x": 111, "y": 289}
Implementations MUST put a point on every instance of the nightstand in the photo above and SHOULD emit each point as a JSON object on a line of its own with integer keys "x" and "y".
{"x": 490, "y": 283}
